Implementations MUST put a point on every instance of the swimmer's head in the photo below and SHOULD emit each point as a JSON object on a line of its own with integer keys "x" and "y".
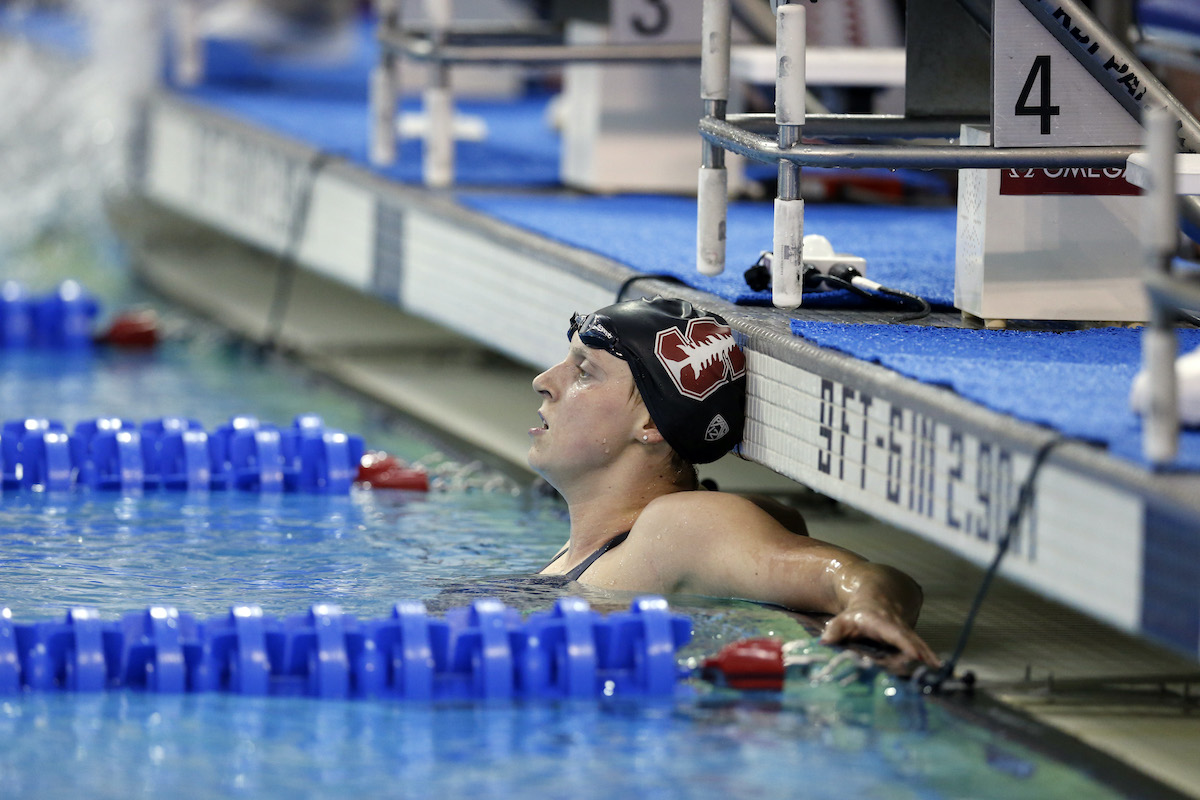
{"x": 689, "y": 371}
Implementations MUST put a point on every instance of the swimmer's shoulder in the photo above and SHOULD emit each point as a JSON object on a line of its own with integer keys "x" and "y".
{"x": 691, "y": 510}
{"x": 703, "y": 508}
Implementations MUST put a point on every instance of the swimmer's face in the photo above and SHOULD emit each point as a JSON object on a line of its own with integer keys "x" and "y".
{"x": 590, "y": 413}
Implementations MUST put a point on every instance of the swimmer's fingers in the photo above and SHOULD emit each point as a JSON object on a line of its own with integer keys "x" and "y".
{"x": 879, "y": 626}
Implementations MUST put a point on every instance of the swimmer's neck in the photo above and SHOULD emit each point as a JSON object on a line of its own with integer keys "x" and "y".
{"x": 599, "y": 515}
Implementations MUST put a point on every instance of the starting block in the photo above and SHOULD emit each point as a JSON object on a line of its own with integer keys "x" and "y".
{"x": 1048, "y": 243}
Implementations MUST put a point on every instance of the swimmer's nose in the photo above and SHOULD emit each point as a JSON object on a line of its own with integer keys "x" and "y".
{"x": 542, "y": 383}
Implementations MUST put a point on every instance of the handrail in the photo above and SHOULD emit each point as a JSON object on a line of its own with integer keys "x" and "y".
{"x": 911, "y": 156}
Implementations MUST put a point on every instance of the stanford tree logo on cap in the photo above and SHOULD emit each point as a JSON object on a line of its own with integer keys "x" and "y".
{"x": 701, "y": 359}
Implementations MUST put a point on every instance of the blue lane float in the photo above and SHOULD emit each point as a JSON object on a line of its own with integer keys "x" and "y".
{"x": 60, "y": 320}
{"x": 482, "y": 652}
{"x": 175, "y": 453}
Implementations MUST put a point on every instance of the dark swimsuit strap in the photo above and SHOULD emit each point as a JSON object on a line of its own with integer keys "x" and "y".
{"x": 581, "y": 568}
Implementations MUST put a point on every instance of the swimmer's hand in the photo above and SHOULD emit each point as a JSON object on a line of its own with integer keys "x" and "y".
{"x": 877, "y": 623}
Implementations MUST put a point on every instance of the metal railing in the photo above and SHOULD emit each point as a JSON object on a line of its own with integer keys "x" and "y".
{"x": 777, "y": 138}
{"x": 443, "y": 44}
{"x": 1168, "y": 292}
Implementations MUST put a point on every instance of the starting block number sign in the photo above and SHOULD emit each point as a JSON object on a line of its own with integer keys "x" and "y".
{"x": 1041, "y": 94}
{"x": 654, "y": 21}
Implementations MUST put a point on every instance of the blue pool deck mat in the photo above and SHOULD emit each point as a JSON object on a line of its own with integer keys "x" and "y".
{"x": 905, "y": 248}
{"x": 519, "y": 149}
{"x": 1074, "y": 382}
{"x": 325, "y": 106}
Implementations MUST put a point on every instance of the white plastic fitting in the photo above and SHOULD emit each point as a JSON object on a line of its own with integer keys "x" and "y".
{"x": 790, "y": 82}
{"x": 711, "y": 202}
{"x": 1164, "y": 391}
{"x": 383, "y": 114}
{"x": 787, "y": 290}
{"x": 438, "y": 164}
{"x": 715, "y": 35}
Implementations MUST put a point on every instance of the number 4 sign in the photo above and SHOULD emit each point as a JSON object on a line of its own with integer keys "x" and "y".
{"x": 1041, "y": 95}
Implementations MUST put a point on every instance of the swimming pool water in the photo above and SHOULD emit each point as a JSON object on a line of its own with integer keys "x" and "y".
{"x": 365, "y": 552}
{"x": 124, "y": 745}
{"x": 204, "y": 553}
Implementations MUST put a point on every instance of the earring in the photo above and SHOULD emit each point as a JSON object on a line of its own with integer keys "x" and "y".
{"x": 645, "y": 437}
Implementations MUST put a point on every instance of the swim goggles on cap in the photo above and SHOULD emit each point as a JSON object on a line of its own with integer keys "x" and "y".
{"x": 593, "y": 333}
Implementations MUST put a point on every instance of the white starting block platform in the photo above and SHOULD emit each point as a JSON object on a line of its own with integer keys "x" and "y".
{"x": 824, "y": 66}
{"x": 1187, "y": 172}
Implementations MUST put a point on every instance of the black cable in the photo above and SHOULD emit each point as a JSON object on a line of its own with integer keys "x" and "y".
{"x": 924, "y": 309}
{"x": 758, "y": 277}
{"x": 287, "y": 263}
{"x": 841, "y": 276}
{"x": 659, "y": 276}
{"x": 819, "y": 278}
{"x": 848, "y": 274}
{"x": 934, "y": 680}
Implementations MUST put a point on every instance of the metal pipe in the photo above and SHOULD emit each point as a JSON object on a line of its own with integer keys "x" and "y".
{"x": 1160, "y": 433}
{"x": 1160, "y": 215}
{"x": 438, "y": 100}
{"x": 713, "y": 155}
{"x": 384, "y": 90}
{"x": 712, "y": 183}
{"x": 863, "y": 126}
{"x": 422, "y": 49}
{"x": 789, "y": 172}
{"x": 189, "y": 49}
{"x": 499, "y": 32}
{"x": 1160, "y": 239}
{"x": 791, "y": 94}
{"x": 764, "y": 149}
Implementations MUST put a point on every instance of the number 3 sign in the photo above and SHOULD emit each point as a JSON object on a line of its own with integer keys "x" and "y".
{"x": 655, "y": 21}
{"x": 1042, "y": 95}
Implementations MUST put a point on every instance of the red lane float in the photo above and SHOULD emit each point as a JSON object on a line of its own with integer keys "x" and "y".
{"x": 747, "y": 664}
{"x": 382, "y": 471}
{"x": 134, "y": 328}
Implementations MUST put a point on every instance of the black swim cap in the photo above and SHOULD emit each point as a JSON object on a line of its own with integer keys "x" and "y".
{"x": 689, "y": 370}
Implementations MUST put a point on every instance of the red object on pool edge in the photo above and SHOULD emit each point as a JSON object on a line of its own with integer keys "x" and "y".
{"x": 747, "y": 664}
{"x": 138, "y": 328}
{"x": 382, "y": 471}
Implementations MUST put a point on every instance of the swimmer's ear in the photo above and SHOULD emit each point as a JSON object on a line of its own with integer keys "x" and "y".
{"x": 648, "y": 432}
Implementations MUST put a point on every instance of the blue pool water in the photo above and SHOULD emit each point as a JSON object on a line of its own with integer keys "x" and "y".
{"x": 480, "y": 535}
{"x": 365, "y": 551}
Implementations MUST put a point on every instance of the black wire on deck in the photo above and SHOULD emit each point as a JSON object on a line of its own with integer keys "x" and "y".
{"x": 758, "y": 278}
{"x": 934, "y": 680}
{"x": 287, "y": 262}
{"x": 632, "y": 279}
{"x": 848, "y": 276}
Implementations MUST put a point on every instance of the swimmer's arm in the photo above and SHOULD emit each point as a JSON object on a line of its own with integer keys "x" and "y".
{"x": 728, "y": 547}
{"x": 787, "y": 516}
{"x": 881, "y": 603}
